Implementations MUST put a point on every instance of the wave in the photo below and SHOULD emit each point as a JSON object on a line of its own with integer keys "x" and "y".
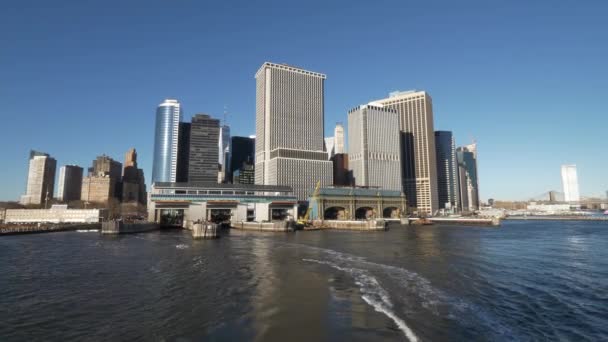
{"x": 182, "y": 246}
{"x": 373, "y": 294}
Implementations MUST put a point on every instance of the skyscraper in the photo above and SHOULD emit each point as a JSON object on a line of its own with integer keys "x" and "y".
{"x": 373, "y": 140}
{"x": 447, "y": 170}
{"x": 106, "y": 166}
{"x": 166, "y": 140}
{"x": 40, "y": 178}
{"x": 203, "y": 158}
{"x": 70, "y": 183}
{"x": 330, "y": 147}
{"x": 243, "y": 152}
{"x": 469, "y": 183}
{"x": 133, "y": 182}
{"x": 183, "y": 152}
{"x": 224, "y": 152}
{"x": 289, "y": 129}
{"x": 419, "y": 168}
{"x": 570, "y": 183}
{"x": 339, "y": 139}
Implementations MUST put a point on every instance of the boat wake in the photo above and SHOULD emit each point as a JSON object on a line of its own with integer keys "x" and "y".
{"x": 373, "y": 294}
{"x": 182, "y": 246}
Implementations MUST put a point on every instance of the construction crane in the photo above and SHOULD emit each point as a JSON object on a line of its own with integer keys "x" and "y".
{"x": 304, "y": 220}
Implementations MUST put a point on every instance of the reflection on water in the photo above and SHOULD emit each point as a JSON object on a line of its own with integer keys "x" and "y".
{"x": 523, "y": 281}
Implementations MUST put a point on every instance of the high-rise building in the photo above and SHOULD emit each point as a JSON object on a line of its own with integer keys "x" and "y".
{"x": 342, "y": 175}
{"x": 339, "y": 139}
{"x": 133, "y": 182}
{"x": 447, "y": 170}
{"x": 570, "y": 183}
{"x": 243, "y": 151}
{"x": 245, "y": 174}
{"x": 419, "y": 170}
{"x": 104, "y": 165}
{"x": 289, "y": 129}
{"x": 166, "y": 141}
{"x": 469, "y": 182}
{"x": 40, "y": 178}
{"x": 203, "y": 158}
{"x": 224, "y": 153}
{"x": 69, "y": 183}
{"x": 183, "y": 152}
{"x": 373, "y": 141}
{"x": 330, "y": 147}
{"x": 97, "y": 188}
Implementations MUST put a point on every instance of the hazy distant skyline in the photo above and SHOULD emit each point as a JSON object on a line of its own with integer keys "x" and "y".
{"x": 527, "y": 80}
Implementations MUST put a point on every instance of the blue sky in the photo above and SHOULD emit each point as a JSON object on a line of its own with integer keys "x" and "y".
{"x": 527, "y": 79}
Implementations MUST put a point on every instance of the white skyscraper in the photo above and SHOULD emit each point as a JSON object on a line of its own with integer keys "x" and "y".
{"x": 570, "y": 183}
{"x": 419, "y": 170}
{"x": 373, "y": 140}
{"x": 339, "y": 139}
{"x": 40, "y": 179}
{"x": 289, "y": 129}
{"x": 330, "y": 146}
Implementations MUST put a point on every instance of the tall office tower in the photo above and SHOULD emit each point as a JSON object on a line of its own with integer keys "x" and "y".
{"x": 570, "y": 183}
{"x": 330, "y": 147}
{"x": 224, "y": 152}
{"x": 342, "y": 175}
{"x": 373, "y": 140}
{"x": 419, "y": 167}
{"x": 339, "y": 138}
{"x": 70, "y": 183}
{"x": 104, "y": 165}
{"x": 469, "y": 182}
{"x": 203, "y": 159}
{"x": 40, "y": 178}
{"x": 243, "y": 152}
{"x": 289, "y": 129}
{"x": 133, "y": 182}
{"x": 183, "y": 152}
{"x": 166, "y": 140}
{"x": 447, "y": 170}
{"x": 97, "y": 188}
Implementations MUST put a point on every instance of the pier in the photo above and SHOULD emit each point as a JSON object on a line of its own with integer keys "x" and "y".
{"x": 116, "y": 227}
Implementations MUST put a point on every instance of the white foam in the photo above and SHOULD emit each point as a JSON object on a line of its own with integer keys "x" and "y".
{"x": 181, "y": 246}
{"x": 373, "y": 294}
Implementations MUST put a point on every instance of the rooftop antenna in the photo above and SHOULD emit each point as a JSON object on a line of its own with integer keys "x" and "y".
{"x": 225, "y": 116}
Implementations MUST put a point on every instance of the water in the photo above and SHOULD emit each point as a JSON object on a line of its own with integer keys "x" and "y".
{"x": 523, "y": 281}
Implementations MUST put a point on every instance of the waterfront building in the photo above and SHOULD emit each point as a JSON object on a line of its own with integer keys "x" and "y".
{"x": 419, "y": 167}
{"x": 203, "y": 157}
{"x": 339, "y": 139}
{"x": 570, "y": 183}
{"x": 97, "y": 188}
{"x": 133, "y": 182}
{"x": 183, "y": 203}
{"x": 330, "y": 147}
{"x": 289, "y": 129}
{"x": 224, "y": 153}
{"x": 353, "y": 203}
{"x": 166, "y": 141}
{"x": 242, "y": 151}
{"x": 183, "y": 151}
{"x": 40, "y": 178}
{"x": 69, "y": 183}
{"x": 447, "y": 170}
{"x": 56, "y": 214}
{"x": 373, "y": 140}
{"x": 342, "y": 174}
{"x": 469, "y": 183}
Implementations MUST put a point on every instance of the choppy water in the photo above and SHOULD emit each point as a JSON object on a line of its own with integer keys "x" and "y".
{"x": 523, "y": 281}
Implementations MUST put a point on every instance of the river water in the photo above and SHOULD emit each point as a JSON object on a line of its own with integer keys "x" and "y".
{"x": 526, "y": 280}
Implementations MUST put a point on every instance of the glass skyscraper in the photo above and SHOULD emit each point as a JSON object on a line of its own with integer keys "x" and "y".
{"x": 447, "y": 170}
{"x": 166, "y": 139}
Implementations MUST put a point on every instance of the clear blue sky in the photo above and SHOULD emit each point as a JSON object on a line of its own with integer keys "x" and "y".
{"x": 527, "y": 79}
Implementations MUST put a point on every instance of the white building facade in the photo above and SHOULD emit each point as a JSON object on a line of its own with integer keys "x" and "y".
{"x": 339, "y": 139}
{"x": 40, "y": 179}
{"x": 570, "y": 183}
{"x": 289, "y": 129}
{"x": 373, "y": 140}
{"x": 419, "y": 165}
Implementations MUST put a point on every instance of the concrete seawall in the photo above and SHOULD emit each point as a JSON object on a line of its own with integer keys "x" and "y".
{"x": 279, "y": 226}
{"x": 120, "y": 227}
{"x": 370, "y": 225}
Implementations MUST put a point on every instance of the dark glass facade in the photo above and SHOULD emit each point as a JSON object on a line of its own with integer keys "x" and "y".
{"x": 243, "y": 151}
{"x": 203, "y": 158}
{"x": 447, "y": 172}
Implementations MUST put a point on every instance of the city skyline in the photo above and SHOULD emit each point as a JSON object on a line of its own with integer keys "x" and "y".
{"x": 503, "y": 128}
